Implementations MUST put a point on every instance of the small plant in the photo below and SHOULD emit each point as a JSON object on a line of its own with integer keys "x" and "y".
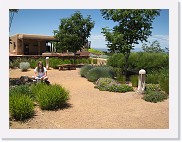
{"x": 24, "y": 66}
{"x": 164, "y": 81}
{"x": 84, "y": 70}
{"x": 21, "y": 89}
{"x": 134, "y": 80}
{"x": 35, "y": 88}
{"x": 21, "y": 107}
{"x": 155, "y": 96}
{"x": 108, "y": 84}
{"x": 119, "y": 76}
{"x": 103, "y": 84}
{"x": 120, "y": 88}
{"x": 51, "y": 97}
{"x": 152, "y": 87}
{"x": 152, "y": 78}
{"x": 153, "y": 93}
{"x": 97, "y": 72}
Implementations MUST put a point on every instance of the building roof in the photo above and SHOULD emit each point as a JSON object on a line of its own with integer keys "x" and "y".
{"x": 38, "y": 37}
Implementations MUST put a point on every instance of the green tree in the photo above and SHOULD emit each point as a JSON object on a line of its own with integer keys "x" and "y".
{"x": 132, "y": 26}
{"x": 73, "y": 32}
{"x": 11, "y": 16}
{"x": 154, "y": 47}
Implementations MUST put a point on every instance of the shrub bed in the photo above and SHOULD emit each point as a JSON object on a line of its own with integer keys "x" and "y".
{"x": 108, "y": 84}
{"x": 154, "y": 94}
{"x": 148, "y": 61}
{"x": 50, "y": 97}
{"x": 21, "y": 106}
{"x": 97, "y": 72}
{"x": 84, "y": 70}
{"x": 21, "y": 89}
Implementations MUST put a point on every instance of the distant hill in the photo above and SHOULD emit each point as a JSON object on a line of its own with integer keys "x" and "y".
{"x": 106, "y": 49}
{"x": 137, "y": 49}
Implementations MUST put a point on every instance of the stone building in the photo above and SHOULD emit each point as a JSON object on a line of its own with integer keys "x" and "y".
{"x": 29, "y": 44}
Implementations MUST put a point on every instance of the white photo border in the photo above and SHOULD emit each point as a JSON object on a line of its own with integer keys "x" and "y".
{"x": 171, "y": 133}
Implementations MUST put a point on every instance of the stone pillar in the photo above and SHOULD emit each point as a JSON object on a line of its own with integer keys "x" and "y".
{"x": 141, "y": 81}
{"x": 47, "y": 63}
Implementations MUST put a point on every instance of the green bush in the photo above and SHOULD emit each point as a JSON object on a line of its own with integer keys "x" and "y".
{"x": 141, "y": 60}
{"x": 119, "y": 76}
{"x": 108, "y": 84}
{"x": 84, "y": 70}
{"x": 50, "y": 97}
{"x": 103, "y": 84}
{"x": 153, "y": 93}
{"x": 152, "y": 78}
{"x": 91, "y": 50}
{"x": 155, "y": 96}
{"x": 54, "y": 62}
{"x": 85, "y": 61}
{"x": 66, "y": 61}
{"x": 97, "y": 72}
{"x": 120, "y": 88}
{"x": 24, "y": 66}
{"x": 134, "y": 80}
{"x": 21, "y": 89}
{"x": 35, "y": 88}
{"x": 152, "y": 87}
{"x": 21, "y": 107}
{"x": 164, "y": 81}
{"x": 116, "y": 60}
{"x": 33, "y": 63}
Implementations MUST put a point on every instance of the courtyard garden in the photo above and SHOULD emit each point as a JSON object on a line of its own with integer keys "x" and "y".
{"x": 91, "y": 91}
{"x": 101, "y": 91}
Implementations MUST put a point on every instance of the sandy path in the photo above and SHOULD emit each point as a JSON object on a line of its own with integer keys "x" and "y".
{"x": 91, "y": 108}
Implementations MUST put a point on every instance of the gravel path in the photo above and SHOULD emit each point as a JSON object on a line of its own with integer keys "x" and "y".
{"x": 90, "y": 108}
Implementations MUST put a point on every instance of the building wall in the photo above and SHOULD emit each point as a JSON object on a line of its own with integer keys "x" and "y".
{"x": 13, "y": 46}
{"x": 19, "y": 47}
{"x": 36, "y": 47}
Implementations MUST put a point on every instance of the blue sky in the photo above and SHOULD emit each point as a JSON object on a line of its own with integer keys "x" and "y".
{"x": 44, "y": 21}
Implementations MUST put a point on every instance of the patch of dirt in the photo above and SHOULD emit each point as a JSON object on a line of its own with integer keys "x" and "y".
{"x": 90, "y": 108}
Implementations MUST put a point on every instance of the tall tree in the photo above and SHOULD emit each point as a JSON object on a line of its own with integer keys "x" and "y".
{"x": 73, "y": 32}
{"x": 154, "y": 47}
{"x": 11, "y": 16}
{"x": 132, "y": 26}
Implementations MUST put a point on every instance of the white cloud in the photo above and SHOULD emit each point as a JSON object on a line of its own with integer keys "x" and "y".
{"x": 160, "y": 38}
{"x": 98, "y": 41}
{"x": 97, "y": 37}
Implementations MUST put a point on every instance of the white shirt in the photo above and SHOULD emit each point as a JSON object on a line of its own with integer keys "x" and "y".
{"x": 40, "y": 74}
